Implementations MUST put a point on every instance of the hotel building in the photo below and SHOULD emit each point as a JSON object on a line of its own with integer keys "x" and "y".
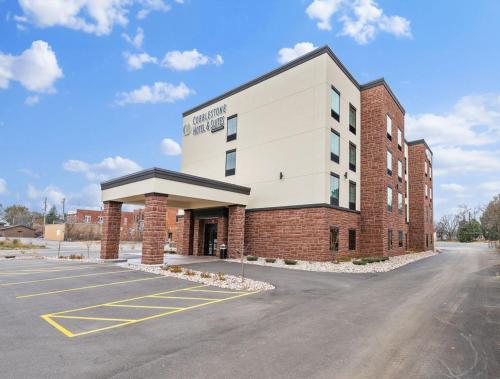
{"x": 303, "y": 162}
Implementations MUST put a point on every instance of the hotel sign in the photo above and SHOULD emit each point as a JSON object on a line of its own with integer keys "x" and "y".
{"x": 212, "y": 120}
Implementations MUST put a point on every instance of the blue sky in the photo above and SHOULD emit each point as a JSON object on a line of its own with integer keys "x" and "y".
{"x": 91, "y": 91}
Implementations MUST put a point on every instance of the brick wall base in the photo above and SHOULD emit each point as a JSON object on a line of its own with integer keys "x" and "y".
{"x": 154, "y": 236}
{"x": 110, "y": 244}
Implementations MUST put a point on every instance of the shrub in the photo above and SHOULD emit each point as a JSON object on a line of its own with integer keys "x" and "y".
{"x": 251, "y": 258}
{"x": 189, "y": 272}
{"x": 361, "y": 263}
{"x": 343, "y": 259}
{"x": 175, "y": 269}
{"x": 270, "y": 260}
{"x": 206, "y": 275}
{"x": 221, "y": 276}
{"x": 290, "y": 262}
{"x": 383, "y": 259}
{"x": 15, "y": 241}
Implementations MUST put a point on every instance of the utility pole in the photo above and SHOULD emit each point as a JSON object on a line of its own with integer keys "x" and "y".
{"x": 63, "y": 214}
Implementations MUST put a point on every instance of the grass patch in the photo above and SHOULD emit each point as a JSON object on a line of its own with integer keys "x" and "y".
{"x": 206, "y": 275}
{"x": 290, "y": 262}
{"x": 221, "y": 276}
{"x": 175, "y": 269}
{"x": 270, "y": 260}
{"x": 189, "y": 272}
{"x": 252, "y": 258}
{"x": 13, "y": 244}
{"x": 359, "y": 263}
{"x": 75, "y": 256}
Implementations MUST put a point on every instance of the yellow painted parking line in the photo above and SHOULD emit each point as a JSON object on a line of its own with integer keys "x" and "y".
{"x": 215, "y": 291}
{"x": 93, "y": 318}
{"x": 88, "y": 287}
{"x": 42, "y": 271}
{"x": 63, "y": 277}
{"x": 141, "y": 306}
{"x": 183, "y": 297}
{"x": 62, "y": 329}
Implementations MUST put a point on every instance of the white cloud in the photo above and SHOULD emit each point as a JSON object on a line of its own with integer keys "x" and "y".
{"x": 159, "y": 92}
{"x": 136, "y": 61}
{"x": 35, "y": 68}
{"x": 136, "y": 40}
{"x": 456, "y": 159}
{"x": 453, "y": 187}
{"x": 3, "y": 186}
{"x": 53, "y": 194}
{"x": 288, "y": 54}
{"x": 28, "y": 172}
{"x": 32, "y": 100}
{"x": 152, "y": 5}
{"x": 106, "y": 169}
{"x": 323, "y": 10}
{"x": 188, "y": 60}
{"x": 88, "y": 197}
{"x": 91, "y": 16}
{"x": 170, "y": 147}
{"x": 491, "y": 186}
{"x": 361, "y": 19}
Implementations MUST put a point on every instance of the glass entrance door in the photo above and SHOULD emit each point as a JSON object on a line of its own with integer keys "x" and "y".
{"x": 210, "y": 247}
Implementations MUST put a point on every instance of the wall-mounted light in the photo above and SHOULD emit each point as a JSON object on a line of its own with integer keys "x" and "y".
{"x": 345, "y": 174}
{"x": 281, "y": 175}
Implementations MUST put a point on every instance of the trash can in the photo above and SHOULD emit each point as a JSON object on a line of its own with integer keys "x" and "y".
{"x": 223, "y": 251}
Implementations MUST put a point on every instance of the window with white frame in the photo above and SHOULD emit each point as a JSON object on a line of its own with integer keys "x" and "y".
{"x": 400, "y": 203}
{"x": 425, "y": 167}
{"x": 87, "y": 219}
{"x": 400, "y": 139}
{"x": 400, "y": 170}
{"x": 389, "y": 198}
{"x": 389, "y": 162}
{"x": 389, "y": 127}
{"x": 426, "y": 190}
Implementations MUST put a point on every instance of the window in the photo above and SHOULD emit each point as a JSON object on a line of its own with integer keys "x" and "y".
{"x": 430, "y": 193}
{"x": 352, "y": 195}
{"x": 352, "y": 119}
{"x": 400, "y": 171}
{"x": 335, "y": 104}
{"x": 334, "y": 238}
{"x": 352, "y": 157}
{"x": 389, "y": 199}
{"x": 100, "y": 219}
{"x": 87, "y": 219}
{"x": 334, "y": 189}
{"x": 232, "y": 127}
{"x": 125, "y": 221}
{"x": 389, "y": 127}
{"x": 426, "y": 214}
{"x": 430, "y": 172}
{"x": 425, "y": 167}
{"x": 389, "y": 163}
{"x": 427, "y": 240}
{"x": 400, "y": 139}
{"x": 352, "y": 239}
{"x": 230, "y": 162}
{"x": 389, "y": 239}
{"x": 400, "y": 238}
{"x": 400, "y": 203}
{"x": 426, "y": 190}
{"x": 335, "y": 146}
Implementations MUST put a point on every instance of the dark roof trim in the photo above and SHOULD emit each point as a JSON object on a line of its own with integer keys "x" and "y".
{"x": 175, "y": 176}
{"x": 304, "y": 58}
{"x": 301, "y": 206}
{"x": 381, "y": 81}
{"x": 418, "y": 142}
{"x": 15, "y": 226}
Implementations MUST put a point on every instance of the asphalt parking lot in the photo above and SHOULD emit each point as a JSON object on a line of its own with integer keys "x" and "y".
{"x": 435, "y": 318}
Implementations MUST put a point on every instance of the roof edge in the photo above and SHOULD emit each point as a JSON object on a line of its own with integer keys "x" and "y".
{"x": 287, "y": 66}
{"x": 176, "y": 176}
{"x": 382, "y": 81}
{"x": 418, "y": 142}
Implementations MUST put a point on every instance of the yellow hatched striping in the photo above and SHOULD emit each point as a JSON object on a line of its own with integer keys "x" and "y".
{"x": 121, "y": 304}
{"x": 63, "y": 277}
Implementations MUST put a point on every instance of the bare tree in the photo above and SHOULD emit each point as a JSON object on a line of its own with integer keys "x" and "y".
{"x": 447, "y": 226}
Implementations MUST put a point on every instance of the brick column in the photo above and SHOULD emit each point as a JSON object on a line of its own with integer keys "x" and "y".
{"x": 110, "y": 241}
{"x": 236, "y": 231}
{"x": 155, "y": 227}
{"x": 187, "y": 233}
{"x": 221, "y": 233}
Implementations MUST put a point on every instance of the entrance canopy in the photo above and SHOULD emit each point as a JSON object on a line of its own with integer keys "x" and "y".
{"x": 183, "y": 190}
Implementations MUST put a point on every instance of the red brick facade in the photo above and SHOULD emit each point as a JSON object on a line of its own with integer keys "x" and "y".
{"x": 376, "y": 219}
{"x": 421, "y": 207}
{"x": 236, "y": 231}
{"x": 110, "y": 244}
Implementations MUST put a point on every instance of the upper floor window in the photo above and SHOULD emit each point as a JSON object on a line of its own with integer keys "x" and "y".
{"x": 400, "y": 203}
{"x": 335, "y": 146}
{"x": 232, "y": 126}
{"x": 334, "y": 238}
{"x": 389, "y": 239}
{"x": 400, "y": 139}
{"x": 389, "y": 127}
{"x": 125, "y": 221}
{"x": 430, "y": 172}
{"x": 389, "y": 162}
{"x": 352, "y": 157}
{"x": 230, "y": 162}
{"x": 426, "y": 190}
{"x": 400, "y": 238}
{"x": 389, "y": 198}
{"x": 335, "y": 104}
{"x": 400, "y": 170}
{"x": 425, "y": 167}
{"x": 352, "y": 119}
{"x": 334, "y": 189}
{"x": 352, "y": 195}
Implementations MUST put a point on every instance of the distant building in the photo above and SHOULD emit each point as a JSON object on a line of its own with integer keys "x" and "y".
{"x": 17, "y": 231}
